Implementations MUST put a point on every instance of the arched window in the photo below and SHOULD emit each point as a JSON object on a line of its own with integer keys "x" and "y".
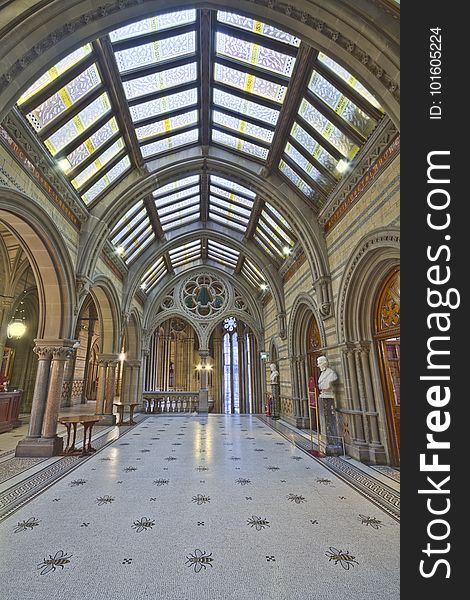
{"x": 231, "y": 399}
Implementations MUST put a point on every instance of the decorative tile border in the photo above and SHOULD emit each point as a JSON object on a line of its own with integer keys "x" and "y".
{"x": 383, "y": 496}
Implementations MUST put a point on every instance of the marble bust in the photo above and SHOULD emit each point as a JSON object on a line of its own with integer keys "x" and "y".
{"x": 327, "y": 378}
{"x": 274, "y": 377}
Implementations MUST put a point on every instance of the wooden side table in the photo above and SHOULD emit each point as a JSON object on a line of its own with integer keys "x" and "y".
{"x": 120, "y": 408}
{"x": 71, "y": 422}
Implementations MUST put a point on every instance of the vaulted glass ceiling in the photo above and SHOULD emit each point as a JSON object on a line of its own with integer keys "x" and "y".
{"x": 201, "y": 78}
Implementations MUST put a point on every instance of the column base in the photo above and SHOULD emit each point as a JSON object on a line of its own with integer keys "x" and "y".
{"x": 39, "y": 447}
{"x": 329, "y": 447}
{"x": 107, "y": 420}
{"x": 203, "y": 402}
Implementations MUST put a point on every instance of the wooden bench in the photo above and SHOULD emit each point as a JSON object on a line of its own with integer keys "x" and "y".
{"x": 120, "y": 408}
{"x": 71, "y": 422}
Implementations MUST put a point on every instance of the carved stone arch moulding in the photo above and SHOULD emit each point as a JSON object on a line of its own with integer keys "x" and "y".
{"x": 382, "y": 246}
{"x": 301, "y": 302}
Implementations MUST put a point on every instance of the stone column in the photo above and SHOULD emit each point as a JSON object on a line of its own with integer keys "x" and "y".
{"x": 356, "y": 404}
{"x": 203, "y": 391}
{"x": 109, "y": 417}
{"x": 101, "y": 391}
{"x": 29, "y": 445}
{"x": 50, "y": 444}
{"x": 5, "y": 316}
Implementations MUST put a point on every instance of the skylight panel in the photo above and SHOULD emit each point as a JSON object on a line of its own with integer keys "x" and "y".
{"x": 170, "y": 143}
{"x": 80, "y": 123}
{"x": 154, "y": 108}
{"x": 156, "y": 52}
{"x": 51, "y": 74}
{"x": 222, "y": 254}
{"x": 119, "y": 169}
{"x": 219, "y": 217}
{"x": 132, "y": 216}
{"x": 249, "y": 83}
{"x": 242, "y": 126}
{"x": 349, "y": 79}
{"x": 139, "y": 245}
{"x": 249, "y": 24}
{"x": 163, "y": 201}
{"x": 315, "y": 149}
{"x": 245, "y": 107}
{"x": 331, "y": 133}
{"x": 308, "y": 168}
{"x": 65, "y": 98}
{"x": 186, "y": 253}
{"x": 153, "y": 24}
{"x": 252, "y": 273}
{"x": 167, "y": 125}
{"x": 254, "y": 54}
{"x": 239, "y": 144}
{"x": 157, "y": 82}
{"x": 175, "y": 185}
{"x": 183, "y": 220}
{"x": 89, "y": 146}
{"x": 232, "y": 196}
{"x": 101, "y": 161}
{"x": 154, "y": 275}
{"x": 267, "y": 245}
{"x": 342, "y": 105}
{"x": 182, "y": 205}
{"x": 230, "y": 209}
{"x": 296, "y": 179}
{"x": 231, "y": 185}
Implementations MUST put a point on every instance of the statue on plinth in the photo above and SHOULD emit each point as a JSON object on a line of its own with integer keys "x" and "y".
{"x": 326, "y": 379}
{"x": 274, "y": 377}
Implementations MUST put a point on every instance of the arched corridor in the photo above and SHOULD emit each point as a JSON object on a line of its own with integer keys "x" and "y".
{"x": 199, "y": 247}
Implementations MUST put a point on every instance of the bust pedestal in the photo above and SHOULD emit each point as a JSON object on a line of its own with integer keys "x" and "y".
{"x": 330, "y": 443}
{"x": 276, "y": 409}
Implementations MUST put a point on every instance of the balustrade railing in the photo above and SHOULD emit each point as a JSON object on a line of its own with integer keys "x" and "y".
{"x": 171, "y": 402}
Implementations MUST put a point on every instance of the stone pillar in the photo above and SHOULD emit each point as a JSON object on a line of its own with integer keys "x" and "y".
{"x": 358, "y": 432}
{"x": 101, "y": 391}
{"x": 5, "y": 316}
{"x": 29, "y": 445}
{"x": 203, "y": 391}
{"x": 109, "y": 417}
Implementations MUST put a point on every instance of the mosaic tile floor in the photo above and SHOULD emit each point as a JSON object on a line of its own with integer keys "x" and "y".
{"x": 186, "y": 508}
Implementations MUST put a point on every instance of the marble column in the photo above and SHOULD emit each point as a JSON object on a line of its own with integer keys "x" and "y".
{"x": 28, "y": 446}
{"x": 101, "y": 391}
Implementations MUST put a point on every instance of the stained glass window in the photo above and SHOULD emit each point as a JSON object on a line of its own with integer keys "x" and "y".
{"x": 119, "y": 169}
{"x": 331, "y": 133}
{"x": 231, "y": 195}
{"x": 240, "y": 145}
{"x": 315, "y": 149}
{"x": 98, "y": 163}
{"x": 341, "y": 104}
{"x": 257, "y": 27}
{"x": 253, "y": 54}
{"x": 154, "y": 275}
{"x": 80, "y": 123}
{"x": 252, "y": 273}
{"x": 90, "y": 146}
{"x": 245, "y": 107}
{"x": 169, "y": 143}
{"x": 167, "y": 125}
{"x": 158, "y": 23}
{"x": 306, "y": 166}
{"x": 154, "y": 108}
{"x": 296, "y": 179}
{"x": 65, "y": 98}
{"x": 49, "y": 76}
{"x": 349, "y": 79}
{"x": 250, "y": 83}
{"x": 176, "y": 185}
{"x": 242, "y": 126}
{"x": 156, "y": 82}
{"x": 156, "y": 52}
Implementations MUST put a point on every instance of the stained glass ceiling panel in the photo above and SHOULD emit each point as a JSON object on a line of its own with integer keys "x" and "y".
{"x": 245, "y": 107}
{"x": 156, "y": 52}
{"x": 61, "y": 67}
{"x": 254, "y": 55}
{"x": 249, "y": 24}
{"x": 158, "y": 23}
{"x": 331, "y": 133}
{"x": 160, "y": 106}
{"x": 139, "y": 245}
{"x": 306, "y": 166}
{"x": 231, "y": 196}
{"x": 228, "y": 210}
{"x": 80, "y": 123}
{"x": 241, "y": 126}
{"x": 157, "y": 82}
{"x": 65, "y": 98}
{"x": 344, "y": 107}
{"x": 240, "y": 145}
{"x": 315, "y": 149}
{"x": 90, "y": 146}
{"x": 155, "y": 274}
{"x": 249, "y": 83}
{"x": 101, "y": 161}
{"x": 170, "y": 143}
{"x": 296, "y": 179}
{"x": 349, "y": 79}
{"x": 127, "y": 218}
{"x": 167, "y": 125}
{"x": 176, "y": 185}
{"x": 99, "y": 187}
{"x": 226, "y": 221}
{"x": 231, "y": 185}
{"x": 179, "y": 206}
{"x": 252, "y": 273}
{"x": 163, "y": 201}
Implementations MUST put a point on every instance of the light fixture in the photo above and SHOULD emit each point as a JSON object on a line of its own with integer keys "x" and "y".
{"x": 342, "y": 166}
{"x": 198, "y": 367}
{"x": 122, "y": 356}
{"x": 120, "y": 250}
{"x": 263, "y": 287}
{"x": 16, "y": 329}
{"x": 64, "y": 165}
{"x": 143, "y": 286}
{"x": 287, "y": 251}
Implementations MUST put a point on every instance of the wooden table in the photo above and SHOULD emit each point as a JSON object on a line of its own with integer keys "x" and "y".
{"x": 70, "y": 423}
{"x": 120, "y": 408}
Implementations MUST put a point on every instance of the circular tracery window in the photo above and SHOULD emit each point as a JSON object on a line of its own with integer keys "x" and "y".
{"x": 204, "y": 296}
